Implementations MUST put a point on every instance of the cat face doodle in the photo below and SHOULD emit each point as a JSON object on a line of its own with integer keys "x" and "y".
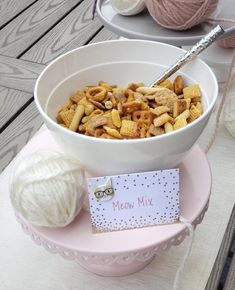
{"x": 104, "y": 192}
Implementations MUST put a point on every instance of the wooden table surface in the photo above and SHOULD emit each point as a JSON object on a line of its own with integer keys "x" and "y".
{"x": 32, "y": 34}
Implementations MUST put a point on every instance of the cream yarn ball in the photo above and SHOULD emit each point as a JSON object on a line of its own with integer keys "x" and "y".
{"x": 229, "y": 115}
{"x": 48, "y": 189}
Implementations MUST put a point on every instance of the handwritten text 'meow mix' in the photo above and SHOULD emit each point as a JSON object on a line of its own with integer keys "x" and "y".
{"x": 141, "y": 202}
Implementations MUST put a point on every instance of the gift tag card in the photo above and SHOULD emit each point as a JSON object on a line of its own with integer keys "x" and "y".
{"x": 134, "y": 200}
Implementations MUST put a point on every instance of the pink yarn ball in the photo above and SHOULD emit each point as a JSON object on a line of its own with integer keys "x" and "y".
{"x": 228, "y": 42}
{"x": 180, "y": 14}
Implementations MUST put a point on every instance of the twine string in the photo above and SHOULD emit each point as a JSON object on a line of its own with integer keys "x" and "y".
{"x": 222, "y": 102}
{"x": 187, "y": 252}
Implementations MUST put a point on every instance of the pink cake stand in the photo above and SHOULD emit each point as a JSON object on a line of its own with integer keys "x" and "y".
{"x": 124, "y": 252}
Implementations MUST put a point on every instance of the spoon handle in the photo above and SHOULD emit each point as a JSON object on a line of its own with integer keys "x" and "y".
{"x": 189, "y": 55}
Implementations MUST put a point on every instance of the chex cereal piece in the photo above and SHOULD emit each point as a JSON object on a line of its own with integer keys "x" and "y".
{"x": 168, "y": 127}
{"x": 159, "y": 110}
{"x": 78, "y": 96}
{"x": 129, "y": 129}
{"x": 161, "y": 120}
{"x": 140, "y": 97}
{"x": 199, "y": 107}
{"x": 113, "y": 132}
{"x": 110, "y": 124}
{"x": 192, "y": 91}
{"x": 127, "y": 117}
{"x": 119, "y": 95}
{"x": 194, "y": 113}
{"x": 155, "y": 131}
{"x": 185, "y": 115}
{"x": 143, "y": 105}
{"x": 67, "y": 116}
{"x": 116, "y": 118}
{"x": 79, "y": 112}
{"x": 66, "y": 106}
{"x": 178, "y": 85}
{"x": 180, "y": 123}
{"x": 167, "y": 84}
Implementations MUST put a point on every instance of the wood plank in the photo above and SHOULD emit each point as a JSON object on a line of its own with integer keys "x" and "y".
{"x": 19, "y": 74}
{"x": 230, "y": 281}
{"x": 73, "y": 31}
{"x": 216, "y": 272}
{"x": 10, "y": 8}
{"x": 30, "y": 25}
{"x": 11, "y": 102}
{"x": 104, "y": 35}
{"x": 18, "y": 133}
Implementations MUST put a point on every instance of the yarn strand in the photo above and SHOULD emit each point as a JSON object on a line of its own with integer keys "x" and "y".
{"x": 222, "y": 102}
{"x": 187, "y": 252}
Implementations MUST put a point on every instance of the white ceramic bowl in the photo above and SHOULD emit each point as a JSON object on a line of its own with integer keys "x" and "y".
{"x": 121, "y": 62}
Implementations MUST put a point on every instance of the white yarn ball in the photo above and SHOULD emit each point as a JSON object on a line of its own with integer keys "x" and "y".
{"x": 48, "y": 189}
{"x": 229, "y": 115}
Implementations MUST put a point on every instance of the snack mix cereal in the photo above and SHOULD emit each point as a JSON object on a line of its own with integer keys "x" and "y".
{"x": 107, "y": 111}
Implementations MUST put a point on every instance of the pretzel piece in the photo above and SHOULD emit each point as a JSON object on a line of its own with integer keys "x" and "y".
{"x": 143, "y": 117}
{"x": 79, "y": 112}
{"x": 97, "y": 93}
{"x": 130, "y": 107}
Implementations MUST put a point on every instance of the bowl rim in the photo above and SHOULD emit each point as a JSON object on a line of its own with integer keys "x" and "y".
{"x": 134, "y": 140}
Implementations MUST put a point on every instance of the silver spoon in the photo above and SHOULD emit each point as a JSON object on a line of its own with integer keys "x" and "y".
{"x": 207, "y": 40}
